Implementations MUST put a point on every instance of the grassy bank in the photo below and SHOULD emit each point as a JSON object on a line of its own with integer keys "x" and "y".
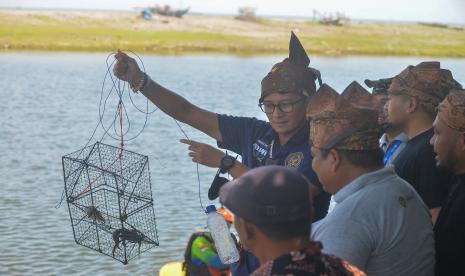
{"x": 107, "y": 31}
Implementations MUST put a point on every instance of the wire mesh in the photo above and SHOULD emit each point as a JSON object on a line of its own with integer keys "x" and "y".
{"x": 110, "y": 202}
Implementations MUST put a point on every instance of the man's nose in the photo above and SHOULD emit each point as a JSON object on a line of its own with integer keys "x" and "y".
{"x": 431, "y": 141}
{"x": 277, "y": 111}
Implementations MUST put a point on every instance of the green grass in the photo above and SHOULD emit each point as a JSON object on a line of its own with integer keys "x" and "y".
{"x": 85, "y": 33}
{"x": 104, "y": 39}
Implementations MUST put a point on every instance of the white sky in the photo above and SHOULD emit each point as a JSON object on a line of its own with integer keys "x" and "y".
{"x": 443, "y": 11}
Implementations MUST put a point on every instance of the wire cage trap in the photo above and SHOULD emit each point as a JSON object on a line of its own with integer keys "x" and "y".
{"x": 110, "y": 201}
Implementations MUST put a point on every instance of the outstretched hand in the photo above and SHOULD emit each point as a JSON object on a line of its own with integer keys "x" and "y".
{"x": 126, "y": 68}
{"x": 204, "y": 154}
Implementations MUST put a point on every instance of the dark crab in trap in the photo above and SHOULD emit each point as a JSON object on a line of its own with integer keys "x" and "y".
{"x": 124, "y": 236}
{"x": 110, "y": 202}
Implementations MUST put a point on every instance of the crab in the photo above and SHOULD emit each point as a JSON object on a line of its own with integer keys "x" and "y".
{"x": 93, "y": 213}
{"x": 124, "y": 235}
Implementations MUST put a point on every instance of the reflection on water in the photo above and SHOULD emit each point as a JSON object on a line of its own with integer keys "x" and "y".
{"x": 49, "y": 108}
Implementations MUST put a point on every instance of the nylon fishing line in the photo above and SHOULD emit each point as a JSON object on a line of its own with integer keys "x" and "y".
{"x": 121, "y": 88}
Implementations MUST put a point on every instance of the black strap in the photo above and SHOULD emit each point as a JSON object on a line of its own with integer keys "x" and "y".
{"x": 218, "y": 182}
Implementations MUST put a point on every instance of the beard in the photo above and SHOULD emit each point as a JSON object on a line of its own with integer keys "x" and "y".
{"x": 385, "y": 124}
{"x": 387, "y": 127}
{"x": 449, "y": 161}
{"x": 392, "y": 126}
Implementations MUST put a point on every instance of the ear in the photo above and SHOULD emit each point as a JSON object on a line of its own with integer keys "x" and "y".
{"x": 244, "y": 229}
{"x": 335, "y": 160}
{"x": 412, "y": 104}
{"x": 249, "y": 230}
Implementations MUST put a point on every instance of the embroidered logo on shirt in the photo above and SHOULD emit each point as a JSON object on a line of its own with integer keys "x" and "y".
{"x": 260, "y": 150}
{"x": 294, "y": 160}
{"x": 402, "y": 201}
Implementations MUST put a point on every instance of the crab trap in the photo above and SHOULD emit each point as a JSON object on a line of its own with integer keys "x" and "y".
{"x": 110, "y": 201}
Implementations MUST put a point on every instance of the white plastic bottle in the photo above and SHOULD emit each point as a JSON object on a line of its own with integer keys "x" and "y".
{"x": 224, "y": 244}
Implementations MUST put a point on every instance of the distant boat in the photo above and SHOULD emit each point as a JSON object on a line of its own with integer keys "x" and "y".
{"x": 166, "y": 10}
{"x": 337, "y": 19}
{"x": 246, "y": 14}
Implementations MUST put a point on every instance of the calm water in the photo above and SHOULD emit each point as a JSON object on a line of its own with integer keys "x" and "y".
{"x": 49, "y": 107}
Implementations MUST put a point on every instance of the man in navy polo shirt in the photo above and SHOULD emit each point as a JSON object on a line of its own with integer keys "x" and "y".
{"x": 281, "y": 141}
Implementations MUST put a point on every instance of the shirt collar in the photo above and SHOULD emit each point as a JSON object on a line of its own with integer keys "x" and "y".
{"x": 299, "y": 138}
{"x": 427, "y": 133}
{"x": 401, "y": 137}
{"x": 383, "y": 141}
{"x": 270, "y": 134}
{"x": 361, "y": 181}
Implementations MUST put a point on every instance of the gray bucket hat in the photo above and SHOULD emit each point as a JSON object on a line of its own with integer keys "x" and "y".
{"x": 269, "y": 195}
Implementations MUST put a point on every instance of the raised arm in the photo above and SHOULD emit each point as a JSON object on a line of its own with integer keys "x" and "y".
{"x": 172, "y": 104}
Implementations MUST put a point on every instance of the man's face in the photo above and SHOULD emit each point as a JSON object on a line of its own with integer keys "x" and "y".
{"x": 447, "y": 144}
{"x": 321, "y": 165}
{"x": 285, "y": 123}
{"x": 397, "y": 110}
{"x": 382, "y": 104}
{"x": 381, "y": 100}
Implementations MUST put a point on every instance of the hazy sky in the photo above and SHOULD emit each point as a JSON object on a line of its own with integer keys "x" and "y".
{"x": 444, "y": 11}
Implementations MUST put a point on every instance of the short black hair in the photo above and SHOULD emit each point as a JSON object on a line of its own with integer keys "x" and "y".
{"x": 288, "y": 230}
{"x": 361, "y": 158}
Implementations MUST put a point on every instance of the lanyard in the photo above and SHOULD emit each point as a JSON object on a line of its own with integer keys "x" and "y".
{"x": 271, "y": 149}
{"x": 391, "y": 151}
{"x": 269, "y": 160}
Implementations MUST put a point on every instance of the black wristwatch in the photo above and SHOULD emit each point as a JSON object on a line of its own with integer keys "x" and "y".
{"x": 227, "y": 162}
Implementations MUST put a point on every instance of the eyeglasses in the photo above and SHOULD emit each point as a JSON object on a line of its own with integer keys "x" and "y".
{"x": 286, "y": 107}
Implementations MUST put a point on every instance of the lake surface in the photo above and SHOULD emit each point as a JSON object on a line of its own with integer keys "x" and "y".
{"x": 49, "y": 107}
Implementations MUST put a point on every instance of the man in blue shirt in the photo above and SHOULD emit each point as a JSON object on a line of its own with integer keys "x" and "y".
{"x": 393, "y": 140}
{"x": 282, "y": 141}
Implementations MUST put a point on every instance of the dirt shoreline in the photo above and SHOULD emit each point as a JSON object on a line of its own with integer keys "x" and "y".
{"x": 102, "y": 30}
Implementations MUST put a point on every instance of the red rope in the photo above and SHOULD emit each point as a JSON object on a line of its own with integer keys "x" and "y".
{"x": 120, "y": 107}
